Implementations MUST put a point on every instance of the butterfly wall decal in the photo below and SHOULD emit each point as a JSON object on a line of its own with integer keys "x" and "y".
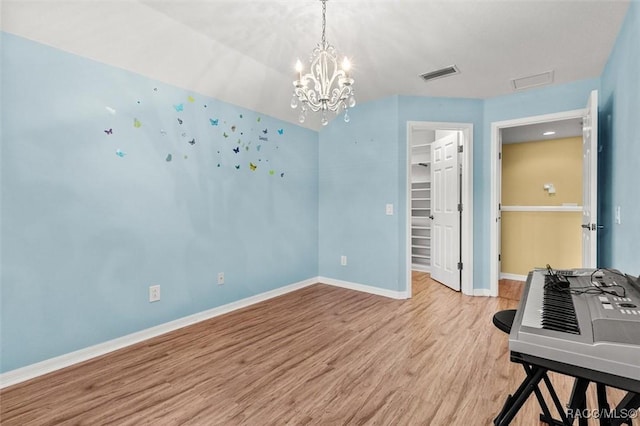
{"x": 258, "y": 147}
{"x": 110, "y": 110}
{"x": 225, "y": 135}
{"x": 180, "y": 120}
{"x": 237, "y": 166}
{"x": 169, "y": 158}
{"x": 258, "y": 119}
{"x": 191, "y": 99}
{"x": 280, "y": 131}
{"x": 179, "y": 107}
{"x": 136, "y": 123}
{"x": 281, "y": 174}
{"x": 271, "y": 172}
{"x": 233, "y": 128}
{"x": 192, "y": 142}
{"x": 236, "y": 149}
{"x": 120, "y": 153}
{"x": 253, "y": 167}
{"x": 213, "y": 122}
{"x": 109, "y": 131}
{"x": 265, "y": 131}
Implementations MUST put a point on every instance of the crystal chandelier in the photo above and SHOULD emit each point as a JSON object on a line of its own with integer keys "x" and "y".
{"x": 326, "y": 87}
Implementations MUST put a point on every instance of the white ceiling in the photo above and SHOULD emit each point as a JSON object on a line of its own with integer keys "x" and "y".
{"x": 243, "y": 51}
{"x": 534, "y": 132}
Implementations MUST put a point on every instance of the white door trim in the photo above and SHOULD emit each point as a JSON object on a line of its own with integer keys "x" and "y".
{"x": 466, "y": 284}
{"x": 496, "y": 175}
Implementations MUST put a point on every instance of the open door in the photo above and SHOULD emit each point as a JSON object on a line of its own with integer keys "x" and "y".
{"x": 590, "y": 183}
{"x": 445, "y": 217}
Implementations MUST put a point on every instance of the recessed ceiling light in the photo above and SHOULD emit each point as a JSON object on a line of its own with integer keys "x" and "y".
{"x": 549, "y": 133}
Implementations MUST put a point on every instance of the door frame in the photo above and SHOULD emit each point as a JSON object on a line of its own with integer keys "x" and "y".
{"x": 466, "y": 283}
{"x": 496, "y": 182}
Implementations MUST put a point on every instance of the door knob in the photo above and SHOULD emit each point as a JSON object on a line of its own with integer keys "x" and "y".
{"x": 431, "y": 217}
{"x": 586, "y": 226}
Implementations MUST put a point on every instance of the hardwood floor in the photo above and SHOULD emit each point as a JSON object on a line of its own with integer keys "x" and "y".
{"x": 320, "y": 355}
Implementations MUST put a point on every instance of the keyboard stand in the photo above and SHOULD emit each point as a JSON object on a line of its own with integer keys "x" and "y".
{"x": 537, "y": 369}
{"x": 534, "y": 374}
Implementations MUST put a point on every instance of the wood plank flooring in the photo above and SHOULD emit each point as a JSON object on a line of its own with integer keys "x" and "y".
{"x": 320, "y": 355}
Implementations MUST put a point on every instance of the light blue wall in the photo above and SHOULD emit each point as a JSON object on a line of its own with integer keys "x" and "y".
{"x": 358, "y": 177}
{"x": 85, "y": 232}
{"x": 619, "y": 245}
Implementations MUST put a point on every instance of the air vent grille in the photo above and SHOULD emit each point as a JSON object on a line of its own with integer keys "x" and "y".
{"x": 535, "y": 80}
{"x": 443, "y": 72}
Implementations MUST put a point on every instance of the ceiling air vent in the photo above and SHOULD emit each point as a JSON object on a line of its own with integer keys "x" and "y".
{"x": 536, "y": 80}
{"x": 443, "y": 72}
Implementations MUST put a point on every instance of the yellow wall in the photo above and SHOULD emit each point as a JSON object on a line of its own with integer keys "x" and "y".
{"x": 526, "y": 167}
{"x": 533, "y": 239}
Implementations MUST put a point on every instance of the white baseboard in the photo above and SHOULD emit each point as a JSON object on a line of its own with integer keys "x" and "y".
{"x": 515, "y": 277}
{"x": 47, "y": 366}
{"x": 364, "y": 288}
{"x": 483, "y": 292}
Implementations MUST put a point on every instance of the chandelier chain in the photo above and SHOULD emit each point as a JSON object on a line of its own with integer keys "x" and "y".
{"x": 324, "y": 22}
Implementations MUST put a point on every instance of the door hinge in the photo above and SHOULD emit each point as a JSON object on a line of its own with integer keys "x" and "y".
{"x": 499, "y": 257}
{"x": 459, "y": 207}
{"x": 499, "y": 156}
{"x": 460, "y": 148}
{"x": 460, "y": 266}
{"x": 499, "y": 206}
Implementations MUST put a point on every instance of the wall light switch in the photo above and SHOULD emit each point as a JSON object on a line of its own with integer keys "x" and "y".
{"x": 343, "y": 260}
{"x": 618, "y": 218}
{"x": 389, "y": 210}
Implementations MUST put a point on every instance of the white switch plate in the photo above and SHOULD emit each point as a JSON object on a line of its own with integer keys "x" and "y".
{"x": 220, "y": 278}
{"x": 154, "y": 293}
{"x": 343, "y": 260}
{"x": 618, "y": 218}
{"x": 389, "y": 210}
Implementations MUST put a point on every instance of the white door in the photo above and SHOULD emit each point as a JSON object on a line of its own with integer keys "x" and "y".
{"x": 590, "y": 183}
{"x": 445, "y": 218}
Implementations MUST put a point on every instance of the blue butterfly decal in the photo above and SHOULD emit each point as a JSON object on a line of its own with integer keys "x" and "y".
{"x": 236, "y": 149}
{"x": 213, "y": 122}
{"x": 179, "y": 107}
{"x": 281, "y": 174}
{"x": 280, "y": 131}
{"x": 238, "y": 167}
{"x": 120, "y": 153}
{"x": 265, "y": 131}
{"x": 192, "y": 142}
{"x": 109, "y": 132}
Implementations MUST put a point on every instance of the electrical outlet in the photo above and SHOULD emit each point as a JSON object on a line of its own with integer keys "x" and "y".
{"x": 220, "y": 278}
{"x": 343, "y": 260}
{"x": 154, "y": 293}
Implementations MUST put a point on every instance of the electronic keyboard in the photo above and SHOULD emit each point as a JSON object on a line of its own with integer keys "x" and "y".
{"x": 584, "y": 317}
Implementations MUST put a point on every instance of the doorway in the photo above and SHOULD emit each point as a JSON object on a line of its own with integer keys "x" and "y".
{"x": 588, "y": 225}
{"x": 424, "y": 220}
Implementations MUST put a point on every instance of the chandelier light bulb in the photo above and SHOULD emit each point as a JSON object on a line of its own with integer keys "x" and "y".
{"x": 346, "y": 117}
{"x": 294, "y": 102}
{"x": 352, "y": 101}
{"x": 298, "y": 66}
{"x": 346, "y": 65}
